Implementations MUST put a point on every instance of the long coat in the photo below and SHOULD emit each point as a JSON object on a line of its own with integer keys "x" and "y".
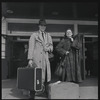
{"x": 71, "y": 68}
{"x": 38, "y": 55}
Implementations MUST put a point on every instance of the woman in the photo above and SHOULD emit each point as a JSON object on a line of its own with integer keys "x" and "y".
{"x": 69, "y": 48}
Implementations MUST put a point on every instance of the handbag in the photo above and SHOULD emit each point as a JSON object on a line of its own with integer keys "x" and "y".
{"x": 59, "y": 69}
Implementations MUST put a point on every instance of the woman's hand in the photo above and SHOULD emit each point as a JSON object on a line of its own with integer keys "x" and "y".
{"x": 67, "y": 52}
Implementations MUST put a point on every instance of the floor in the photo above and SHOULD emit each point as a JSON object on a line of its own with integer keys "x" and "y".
{"x": 88, "y": 89}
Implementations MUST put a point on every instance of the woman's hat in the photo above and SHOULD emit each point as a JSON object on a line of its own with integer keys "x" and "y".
{"x": 42, "y": 22}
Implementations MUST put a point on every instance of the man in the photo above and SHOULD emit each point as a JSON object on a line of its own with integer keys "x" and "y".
{"x": 40, "y": 44}
{"x": 23, "y": 56}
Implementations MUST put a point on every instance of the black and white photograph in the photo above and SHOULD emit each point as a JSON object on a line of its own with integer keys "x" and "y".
{"x": 49, "y": 50}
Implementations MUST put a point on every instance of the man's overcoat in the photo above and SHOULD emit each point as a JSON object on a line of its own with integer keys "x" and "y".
{"x": 37, "y": 53}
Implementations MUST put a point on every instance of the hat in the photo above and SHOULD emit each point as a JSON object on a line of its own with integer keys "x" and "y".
{"x": 42, "y": 22}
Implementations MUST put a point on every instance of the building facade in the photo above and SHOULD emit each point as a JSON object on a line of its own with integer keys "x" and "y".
{"x": 17, "y": 30}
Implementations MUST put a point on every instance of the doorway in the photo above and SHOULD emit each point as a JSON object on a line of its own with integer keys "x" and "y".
{"x": 19, "y": 58}
{"x": 91, "y": 56}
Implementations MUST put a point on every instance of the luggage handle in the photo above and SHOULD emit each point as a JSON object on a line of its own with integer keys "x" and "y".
{"x": 32, "y": 65}
{"x": 28, "y": 66}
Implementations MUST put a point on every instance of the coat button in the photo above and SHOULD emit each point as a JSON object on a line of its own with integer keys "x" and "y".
{"x": 40, "y": 61}
{"x": 41, "y": 52}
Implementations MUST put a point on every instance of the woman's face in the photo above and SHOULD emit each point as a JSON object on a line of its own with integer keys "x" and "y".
{"x": 69, "y": 33}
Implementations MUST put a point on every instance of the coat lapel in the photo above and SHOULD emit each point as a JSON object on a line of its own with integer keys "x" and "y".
{"x": 39, "y": 38}
{"x": 46, "y": 38}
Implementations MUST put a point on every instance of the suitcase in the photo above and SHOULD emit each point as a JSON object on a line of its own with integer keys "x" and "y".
{"x": 63, "y": 90}
{"x": 29, "y": 78}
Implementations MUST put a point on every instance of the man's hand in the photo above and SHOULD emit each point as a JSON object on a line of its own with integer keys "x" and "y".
{"x": 30, "y": 63}
{"x": 46, "y": 49}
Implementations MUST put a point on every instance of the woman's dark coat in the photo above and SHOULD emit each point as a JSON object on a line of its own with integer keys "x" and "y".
{"x": 71, "y": 66}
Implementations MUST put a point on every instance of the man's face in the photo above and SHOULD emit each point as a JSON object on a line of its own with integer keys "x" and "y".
{"x": 42, "y": 28}
{"x": 25, "y": 46}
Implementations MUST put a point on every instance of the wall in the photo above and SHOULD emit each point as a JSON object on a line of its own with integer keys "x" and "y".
{"x": 3, "y": 50}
